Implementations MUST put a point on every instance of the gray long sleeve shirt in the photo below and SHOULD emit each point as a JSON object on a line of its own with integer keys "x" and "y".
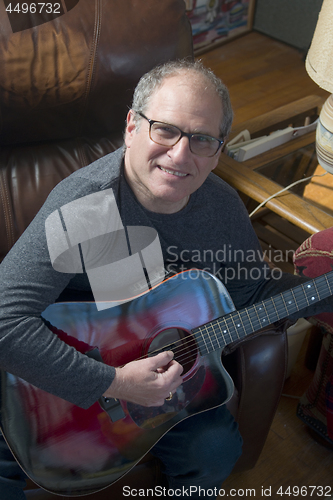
{"x": 212, "y": 232}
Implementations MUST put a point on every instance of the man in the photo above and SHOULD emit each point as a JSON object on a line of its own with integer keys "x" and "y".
{"x": 180, "y": 117}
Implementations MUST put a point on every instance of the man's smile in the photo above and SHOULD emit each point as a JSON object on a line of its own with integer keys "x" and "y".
{"x": 172, "y": 172}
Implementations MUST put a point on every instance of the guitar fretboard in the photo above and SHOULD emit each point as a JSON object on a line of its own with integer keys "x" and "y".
{"x": 236, "y": 325}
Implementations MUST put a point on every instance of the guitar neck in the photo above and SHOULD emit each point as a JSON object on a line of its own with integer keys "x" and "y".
{"x": 238, "y": 324}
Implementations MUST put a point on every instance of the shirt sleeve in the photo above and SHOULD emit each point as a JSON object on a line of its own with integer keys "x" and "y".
{"x": 29, "y": 284}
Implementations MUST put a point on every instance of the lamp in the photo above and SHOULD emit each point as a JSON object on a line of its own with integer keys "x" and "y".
{"x": 319, "y": 65}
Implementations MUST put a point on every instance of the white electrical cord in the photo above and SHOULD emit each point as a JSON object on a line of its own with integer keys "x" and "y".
{"x": 285, "y": 189}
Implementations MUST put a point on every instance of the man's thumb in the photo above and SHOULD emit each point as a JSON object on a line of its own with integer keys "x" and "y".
{"x": 162, "y": 359}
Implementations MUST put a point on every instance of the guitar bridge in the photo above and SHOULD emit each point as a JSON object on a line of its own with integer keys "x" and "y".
{"x": 112, "y": 407}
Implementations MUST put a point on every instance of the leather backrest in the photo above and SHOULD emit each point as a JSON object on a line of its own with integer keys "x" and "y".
{"x": 66, "y": 83}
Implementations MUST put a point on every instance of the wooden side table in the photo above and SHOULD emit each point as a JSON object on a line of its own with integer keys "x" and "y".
{"x": 287, "y": 220}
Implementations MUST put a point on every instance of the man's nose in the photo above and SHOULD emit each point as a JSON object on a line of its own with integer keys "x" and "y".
{"x": 181, "y": 152}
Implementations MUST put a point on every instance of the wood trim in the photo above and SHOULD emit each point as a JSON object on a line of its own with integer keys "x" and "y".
{"x": 293, "y": 208}
{"x": 295, "y": 112}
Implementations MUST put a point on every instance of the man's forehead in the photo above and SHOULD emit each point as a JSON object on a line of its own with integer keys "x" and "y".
{"x": 189, "y": 86}
{"x": 189, "y": 92}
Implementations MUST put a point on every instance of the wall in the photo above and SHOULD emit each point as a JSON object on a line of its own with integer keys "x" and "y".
{"x": 290, "y": 21}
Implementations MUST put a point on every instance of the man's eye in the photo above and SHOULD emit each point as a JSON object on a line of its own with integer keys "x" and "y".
{"x": 165, "y": 129}
{"x": 203, "y": 139}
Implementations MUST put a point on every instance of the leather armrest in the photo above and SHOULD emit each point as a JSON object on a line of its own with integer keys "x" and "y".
{"x": 258, "y": 368}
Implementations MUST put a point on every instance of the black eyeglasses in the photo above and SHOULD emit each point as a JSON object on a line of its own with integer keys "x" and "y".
{"x": 168, "y": 135}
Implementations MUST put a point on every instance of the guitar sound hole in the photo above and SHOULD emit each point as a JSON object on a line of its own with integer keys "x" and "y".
{"x": 180, "y": 342}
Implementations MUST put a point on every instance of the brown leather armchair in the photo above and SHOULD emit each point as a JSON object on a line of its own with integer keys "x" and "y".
{"x": 66, "y": 82}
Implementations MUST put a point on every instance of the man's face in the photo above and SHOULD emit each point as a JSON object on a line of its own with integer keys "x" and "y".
{"x": 163, "y": 178}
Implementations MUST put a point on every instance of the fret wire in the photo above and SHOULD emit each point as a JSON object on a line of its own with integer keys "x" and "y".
{"x": 281, "y": 310}
{"x": 238, "y": 325}
{"x": 245, "y": 318}
{"x": 293, "y": 294}
{"x": 204, "y": 342}
{"x": 306, "y": 295}
{"x": 231, "y": 328}
{"x": 210, "y": 326}
{"x": 328, "y": 284}
{"x": 275, "y": 309}
{"x": 293, "y": 307}
{"x": 290, "y": 303}
{"x": 247, "y": 321}
{"x": 197, "y": 334}
{"x": 301, "y": 304}
{"x": 255, "y": 309}
{"x": 208, "y": 334}
{"x": 255, "y": 319}
{"x": 212, "y": 336}
{"x": 317, "y": 291}
{"x": 265, "y": 305}
{"x": 216, "y": 337}
{"x": 268, "y": 304}
{"x": 202, "y": 332}
{"x": 248, "y": 315}
{"x": 322, "y": 281}
{"x": 284, "y": 303}
{"x": 242, "y": 323}
{"x": 310, "y": 293}
{"x": 225, "y": 331}
{"x": 262, "y": 320}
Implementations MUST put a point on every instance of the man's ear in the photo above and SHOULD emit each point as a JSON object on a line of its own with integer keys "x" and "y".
{"x": 130, "y": 128}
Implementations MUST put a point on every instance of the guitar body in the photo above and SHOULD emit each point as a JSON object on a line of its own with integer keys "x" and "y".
{"x": 71, "y": 451}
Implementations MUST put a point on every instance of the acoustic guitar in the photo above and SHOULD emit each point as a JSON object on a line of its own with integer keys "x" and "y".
{"x": 71, "y": 451}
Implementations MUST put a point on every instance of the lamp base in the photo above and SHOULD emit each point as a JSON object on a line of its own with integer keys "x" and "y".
{"x": 324, "y": 136}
